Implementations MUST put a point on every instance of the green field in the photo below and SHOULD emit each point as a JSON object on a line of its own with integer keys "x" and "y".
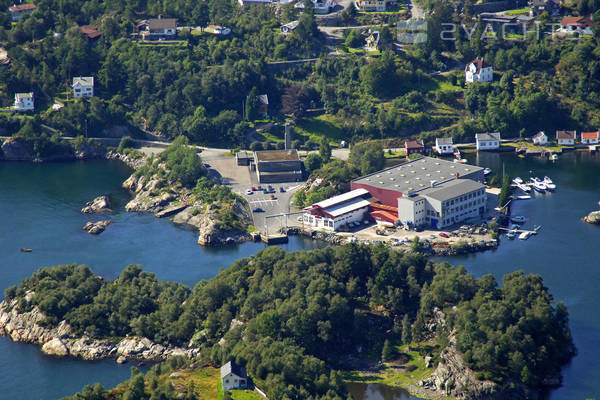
{"x": 323, "y": 125}
{"x": 518, "y": 11}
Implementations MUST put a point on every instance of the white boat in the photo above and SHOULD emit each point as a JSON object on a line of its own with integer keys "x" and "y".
{"x": 549, "y": 184}
{"x": 487, "y": 171}
{"x": 524, "y": 187}
{"x": 523, "y": 197}
{"x": 519, "y": 219}
{"x": 538, "y": 185}
{"x": 524, "y": 235}
{"x": 518, "y": 180}
{"x": 511, "y": 234}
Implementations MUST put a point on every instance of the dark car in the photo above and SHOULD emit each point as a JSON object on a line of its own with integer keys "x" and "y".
{"x": 258, "y": 209}
{"x": 259, "y": 188}
{"x": 281, "y": 189}
{"x": 419, "y": 229}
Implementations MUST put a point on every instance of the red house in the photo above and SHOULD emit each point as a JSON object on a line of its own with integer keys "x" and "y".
{"x": 414, "y": 146}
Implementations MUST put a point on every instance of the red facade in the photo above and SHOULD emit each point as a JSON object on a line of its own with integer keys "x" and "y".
{"x": 386, "y": 196}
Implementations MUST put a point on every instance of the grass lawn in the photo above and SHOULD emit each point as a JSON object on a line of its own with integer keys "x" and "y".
{"x": 245, "y": 395}
{"x": 352, "y": 50}
{"x": 323, "y": 125}
{"x": 207, "y": 382}
{"x": 518, "y": 11}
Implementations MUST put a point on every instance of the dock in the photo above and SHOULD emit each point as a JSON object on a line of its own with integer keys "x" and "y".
{"x": 274, "y": 239}
{"x": 533, "y": 232}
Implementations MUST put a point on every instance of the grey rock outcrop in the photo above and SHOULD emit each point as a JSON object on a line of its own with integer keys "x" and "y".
{"x": 95, "y": 228}
{"x": 98, "y": 205}
{"x": 61, "y": 341}
{"x": 592, "y": 218}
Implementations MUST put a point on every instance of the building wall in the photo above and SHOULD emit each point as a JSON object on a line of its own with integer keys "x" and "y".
{"x": 279, "y": 166}
{"x": 487, "y": 144}
{"x": 386, "y": 196}
{"x": 231, "y": 381}
{"x": 278, "y": 178}
{"x": 337, "y": 223}
{"x": 566, "y": 141}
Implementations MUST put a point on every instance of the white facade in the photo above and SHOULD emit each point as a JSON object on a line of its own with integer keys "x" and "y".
{"x": 444, "y": 205}
{"x": 24, "y": 101}
{"x": 83, "y": 87}
{"x": 540, "y": 139}
{"x": 444, "y": 145}
{"x": 320, "y": 6}
{"x": 478, "y": 72}
{"x": 566, "y": 138}
{"x": 487, "y": 141}
{"x": 371, "y": 5}
{"x": 338, "y": 211}
{"x": 232, "y": 381}
{"x": 590, "y": 137}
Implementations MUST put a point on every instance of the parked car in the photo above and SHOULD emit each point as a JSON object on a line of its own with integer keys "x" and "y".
{"x": 444, "y": 235}
{"x": 271, "y": 189}
{"x": 249, "y": 192}
{"x": 253, "y": 188}
{"x": 207, "y": 165}
{"x": 432, "y": 237}
{"x": 258, "y": 209}
{"x": 366, "y": 222}
{"x": 259, "y": 188}
{"x": 273, "y": 197}
{"x": 299, "y": 219}
{"x": 281, "y": 189}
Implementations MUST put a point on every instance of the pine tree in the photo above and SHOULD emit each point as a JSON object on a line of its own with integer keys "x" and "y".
{"x": 388, "y": 352}
{"x": 406, "y": 334}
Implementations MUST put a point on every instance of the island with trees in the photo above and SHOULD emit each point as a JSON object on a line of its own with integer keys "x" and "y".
{"x": 303, "y": 322}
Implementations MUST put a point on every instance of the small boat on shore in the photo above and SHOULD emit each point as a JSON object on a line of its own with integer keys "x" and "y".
{"x": 511, "y": 234}
{"x": 524, "y": 235}
{"x": 25, "y": 250}
{"x": 549, "y": 184}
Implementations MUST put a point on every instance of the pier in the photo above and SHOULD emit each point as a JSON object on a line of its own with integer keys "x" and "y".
{"x": 533, "y": 232}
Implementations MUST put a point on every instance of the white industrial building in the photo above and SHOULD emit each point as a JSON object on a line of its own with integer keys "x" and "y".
{"x": 338, "y": 211}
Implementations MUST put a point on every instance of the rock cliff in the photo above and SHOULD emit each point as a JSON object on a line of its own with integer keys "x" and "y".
{"x": 96, "y": 228}
{"x": 60, "y": 341}
{"x": 99, "y": 204}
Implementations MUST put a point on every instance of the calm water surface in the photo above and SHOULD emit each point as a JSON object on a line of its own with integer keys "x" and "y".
{"x": 39, "y": 209}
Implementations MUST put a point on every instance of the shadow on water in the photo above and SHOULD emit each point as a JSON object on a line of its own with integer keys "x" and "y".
{"x": 377, "y": 391}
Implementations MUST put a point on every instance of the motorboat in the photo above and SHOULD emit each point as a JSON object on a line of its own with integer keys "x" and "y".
{"x": 511, "y": 234}
{"x": 522, "y": 197}
{"x": 487, "y": 171}
{"x": 538, "y": 185}
{"x": 25, "y": 250}
{"x": 524, "y": 235}
{"x": 519, "y": 219}
{"x": 549, "y": 184}
{"x": 524, "y": 187}
{"x": 518, "y": 180}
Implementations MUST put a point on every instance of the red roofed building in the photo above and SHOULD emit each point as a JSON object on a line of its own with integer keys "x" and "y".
{"x": 590, "y": 137}
{"x": 18, "y": 10}
{"x": 414, "y": 146}
{"x": 576, "y": 24}
{"x": 91, "y": 31}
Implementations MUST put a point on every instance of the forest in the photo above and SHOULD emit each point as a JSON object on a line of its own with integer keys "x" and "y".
{"x": 293, "y": 318}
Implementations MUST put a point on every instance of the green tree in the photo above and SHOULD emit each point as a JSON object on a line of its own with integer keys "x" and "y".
{"x": 313, "y": 162}
{"x": 251, "y": 106}
{"x": 406, "y": 334}
{"x": 201, "y": 14}
{"x": 387, "y": 353}
{"x": 324, "y": 150}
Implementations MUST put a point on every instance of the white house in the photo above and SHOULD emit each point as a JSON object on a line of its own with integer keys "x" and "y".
{"x": 540, "y": 138}
{"x": 233, "y": 376}
{"x": 590, "y": 137}
{"x": 566, "y": 138}
{"x": 487, "y": 141}
{"x": 478, "y": 71}
{"x": 371, "y": 5}
{"x": 289, "y": 27}
{"x": 580, "y": 25}
{"x": 24, "y": 101}
{"x": 83, "y": 86}
{"x": 338, "y": 211}
{"x": 19, "y": 10}
{"x": 444, "y": 145}
{"x": 158, "y": 28}
{"x": 320, "y": 6}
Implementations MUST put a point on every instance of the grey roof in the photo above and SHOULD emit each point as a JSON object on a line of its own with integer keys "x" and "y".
{"x": 444, "y": 140}
{"x": 417, "y": 175}
{"x": 24, "y": 95}
{"x": 162, "y": 23}
{"x": 488, "y": 136}
{"x": 83, "y": 80}
{"x": 452, "y": 189}
{"x": 232, "y": 367}
{"x": 263, "y": 98}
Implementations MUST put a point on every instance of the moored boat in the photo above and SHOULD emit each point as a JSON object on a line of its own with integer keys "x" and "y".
{"x": 25, "y": 250}
{"x": 518, "y": 180}
{"x": 511, "y": 234}
{"x": 487, "y": 171}
{"x": 519, "y": 219}
{"x": 538, "y": 185}
{"x": 524, "y": 235}
{"x": 549, "y": 184}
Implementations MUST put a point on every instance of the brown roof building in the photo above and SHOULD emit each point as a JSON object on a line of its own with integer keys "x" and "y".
{"x": 18, "y": 10}
{"x": 91, "y": 31}
{"x": 414, "y": 146}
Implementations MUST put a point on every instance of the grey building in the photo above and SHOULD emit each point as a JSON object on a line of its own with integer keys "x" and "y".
{"x": 274, "y": 166}
{"x": 243, "y": 158}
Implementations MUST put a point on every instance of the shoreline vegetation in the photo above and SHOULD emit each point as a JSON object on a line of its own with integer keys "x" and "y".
{"x": 302, "y": 322}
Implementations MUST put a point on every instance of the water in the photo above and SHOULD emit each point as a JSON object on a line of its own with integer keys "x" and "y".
{"x": 376, "y": 391}
{"x": 563, "y": 253}
{"x": 40, "y": 209}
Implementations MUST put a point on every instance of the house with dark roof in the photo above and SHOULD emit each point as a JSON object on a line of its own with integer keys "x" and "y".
{"x": 566, "y": 138}
{"x": 590, "y": 137}
{"x": 91, "y": 31}
{"x": 158, "y": 28}
{"x": 19, "y": 10}
{"x": 414, "y": 146}
{"x": 275, "y": 166}
{"x": 540, "y": 138}
{"x": 233, "y": 376}
{"x": 478, "y": 71}
{"x": 552, "y": 7}
{"x": 487, "y": 141}
{"x": 444, "y": 145}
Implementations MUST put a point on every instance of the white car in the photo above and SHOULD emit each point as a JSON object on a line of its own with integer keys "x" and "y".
{"x": 299, "y": 219}
{"x": 248, "y": 192}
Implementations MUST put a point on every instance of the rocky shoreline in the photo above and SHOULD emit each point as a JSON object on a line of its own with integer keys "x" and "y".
{"x": 60, "y": 341}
